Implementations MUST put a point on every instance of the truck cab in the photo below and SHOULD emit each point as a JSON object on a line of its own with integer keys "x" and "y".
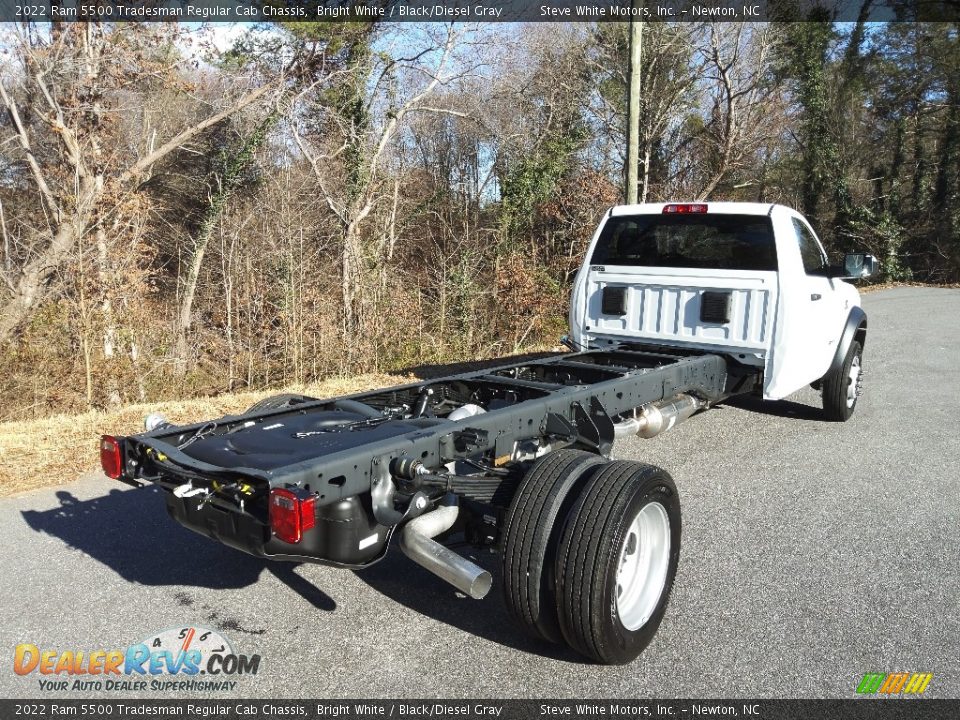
{"x": 750, "y": 281}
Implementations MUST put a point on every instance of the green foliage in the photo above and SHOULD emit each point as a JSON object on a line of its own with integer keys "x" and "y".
{"x": 533, "y": 181}
{"x": 465, "y": 287}
{"x": 805, "y": 64}
{"x": 883, "y": 236}
{"x": 234, "y": 163}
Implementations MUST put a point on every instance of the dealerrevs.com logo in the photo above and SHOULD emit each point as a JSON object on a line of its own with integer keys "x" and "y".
{"x": 181, "y": 659}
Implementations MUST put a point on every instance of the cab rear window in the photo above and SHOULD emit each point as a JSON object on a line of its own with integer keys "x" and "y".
{"x": 720, "y": 242}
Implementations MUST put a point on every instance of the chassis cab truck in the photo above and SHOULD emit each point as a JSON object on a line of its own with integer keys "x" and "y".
{"x": 677, "y": 307}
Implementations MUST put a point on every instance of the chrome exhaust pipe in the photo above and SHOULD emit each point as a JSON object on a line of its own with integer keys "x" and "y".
{"x": 416, "y": 541}
{"x": 628, "y": 427}
{"x": 658, "y": 417}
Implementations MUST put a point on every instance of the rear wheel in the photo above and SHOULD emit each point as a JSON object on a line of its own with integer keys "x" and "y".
{"x": 530, "y": 537}
{"x": 842, "y": 387}
{"x": 617, "y": 561}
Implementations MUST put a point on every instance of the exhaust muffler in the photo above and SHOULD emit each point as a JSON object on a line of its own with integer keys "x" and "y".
{"x": 417, "y": 543}
{"x": 658, "y": 417}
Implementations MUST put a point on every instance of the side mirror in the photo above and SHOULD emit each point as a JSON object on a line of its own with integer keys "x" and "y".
{"x": 858, "y": 265}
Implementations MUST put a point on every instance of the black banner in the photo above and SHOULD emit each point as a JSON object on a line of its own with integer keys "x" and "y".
{"x": 853, "y": 709}
{"x": 254, "y": 11}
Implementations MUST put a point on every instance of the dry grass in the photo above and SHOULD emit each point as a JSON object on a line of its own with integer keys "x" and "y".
{"x": 62, "y": 448}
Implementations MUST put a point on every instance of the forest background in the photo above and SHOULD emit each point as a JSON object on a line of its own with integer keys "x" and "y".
{"x": 188, "y": 211}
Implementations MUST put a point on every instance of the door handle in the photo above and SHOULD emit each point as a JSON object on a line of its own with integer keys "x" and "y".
{"x": 815, "y": 296}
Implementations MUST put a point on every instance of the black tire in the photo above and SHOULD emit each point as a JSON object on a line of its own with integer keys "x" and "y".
{"x": 530, "y": 537}
{"x": 278, "y": 402}
{"x": 589, "y": 556}
{"x": 837, "y": 406}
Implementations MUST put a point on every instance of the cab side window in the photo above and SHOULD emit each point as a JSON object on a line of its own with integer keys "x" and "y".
{"x": 813, "y": 258}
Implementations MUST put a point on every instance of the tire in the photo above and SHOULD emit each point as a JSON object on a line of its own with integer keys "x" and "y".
{"x": 603, "y": 615}
{"x": 842, "y": 387}
{"x": 530, "y": 537}
{"x": 278, "y": 402}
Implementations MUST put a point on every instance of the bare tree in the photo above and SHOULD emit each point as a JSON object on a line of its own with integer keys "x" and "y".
{"x": 224, "y": 181}
{"x": 667, "y": 89}
{"x": 737, "y": 58}
{"x": 63, "y": 103}
{"x": 352, "y": 200}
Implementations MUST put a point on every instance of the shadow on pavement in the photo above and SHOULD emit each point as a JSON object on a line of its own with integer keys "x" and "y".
{"x": 406, "y": 583}
{"x": 778, "y": 408}
{"x": 130, "y": 532}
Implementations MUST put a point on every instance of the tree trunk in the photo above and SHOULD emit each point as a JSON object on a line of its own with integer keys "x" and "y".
{"x": 185, "y": 314}
{"x": 350, "y": 268}
{"x": 948, "y": 172}
{"x": 633, "y": 111}
{"x": 33, "y": 284}
{"x": 919, "y": 197}
{"x": 645, "y": 186}
{"x": 106, "y": 282}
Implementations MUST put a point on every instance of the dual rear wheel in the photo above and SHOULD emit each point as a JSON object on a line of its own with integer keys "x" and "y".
{"x": 590, "y": 553}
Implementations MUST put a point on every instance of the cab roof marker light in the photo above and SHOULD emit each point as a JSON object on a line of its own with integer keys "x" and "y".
{"x": 684, "y": 208}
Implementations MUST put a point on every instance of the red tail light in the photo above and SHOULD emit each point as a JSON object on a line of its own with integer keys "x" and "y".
{"x": 684, "y": 208}
{"x": 111, "y": 456}
{"x": 291, "y": 513}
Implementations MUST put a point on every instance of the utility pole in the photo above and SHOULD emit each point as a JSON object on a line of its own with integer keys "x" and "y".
{"x": 633, "y": 107}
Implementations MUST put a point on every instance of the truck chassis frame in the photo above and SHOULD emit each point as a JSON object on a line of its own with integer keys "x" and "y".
{"x": 371, "y": 463}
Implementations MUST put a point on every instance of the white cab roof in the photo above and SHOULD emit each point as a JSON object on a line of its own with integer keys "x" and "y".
{"x": 714, "y": 208}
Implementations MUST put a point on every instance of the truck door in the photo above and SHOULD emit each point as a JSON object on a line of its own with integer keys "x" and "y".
{"x": 818, "y": 301}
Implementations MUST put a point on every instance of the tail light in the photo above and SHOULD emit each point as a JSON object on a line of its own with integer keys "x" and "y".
{"x": 684, "y": 208}
{"x": 111, "y": 457}
{"x": 291, "y": 513}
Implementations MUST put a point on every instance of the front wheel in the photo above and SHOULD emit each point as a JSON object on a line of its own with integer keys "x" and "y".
{"x": 842, "y": 387}
{"x": 617, "y": 561}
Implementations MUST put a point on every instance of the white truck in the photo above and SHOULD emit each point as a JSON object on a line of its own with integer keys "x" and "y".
{"x": 748, "y": 280}
{"x": 677, "y": 307}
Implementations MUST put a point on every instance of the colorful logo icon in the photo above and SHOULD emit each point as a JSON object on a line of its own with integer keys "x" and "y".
{"x": 894, "y": 683}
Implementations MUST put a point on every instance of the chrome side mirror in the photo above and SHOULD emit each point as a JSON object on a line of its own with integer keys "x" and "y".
{"x": 859, "y": 265}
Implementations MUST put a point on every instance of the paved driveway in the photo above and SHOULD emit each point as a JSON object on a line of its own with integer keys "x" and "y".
{"x": 812, "y": 552}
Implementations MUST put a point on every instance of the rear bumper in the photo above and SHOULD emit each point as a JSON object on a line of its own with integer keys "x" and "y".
{"x": 345, "y": 533}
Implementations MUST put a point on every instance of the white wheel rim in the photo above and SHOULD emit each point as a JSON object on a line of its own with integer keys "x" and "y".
{"x": 853, "y": 381}
{"x": 642, "y": 567}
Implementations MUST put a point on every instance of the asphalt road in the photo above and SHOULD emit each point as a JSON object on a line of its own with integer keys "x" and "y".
{"x": 812, "y": 553}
